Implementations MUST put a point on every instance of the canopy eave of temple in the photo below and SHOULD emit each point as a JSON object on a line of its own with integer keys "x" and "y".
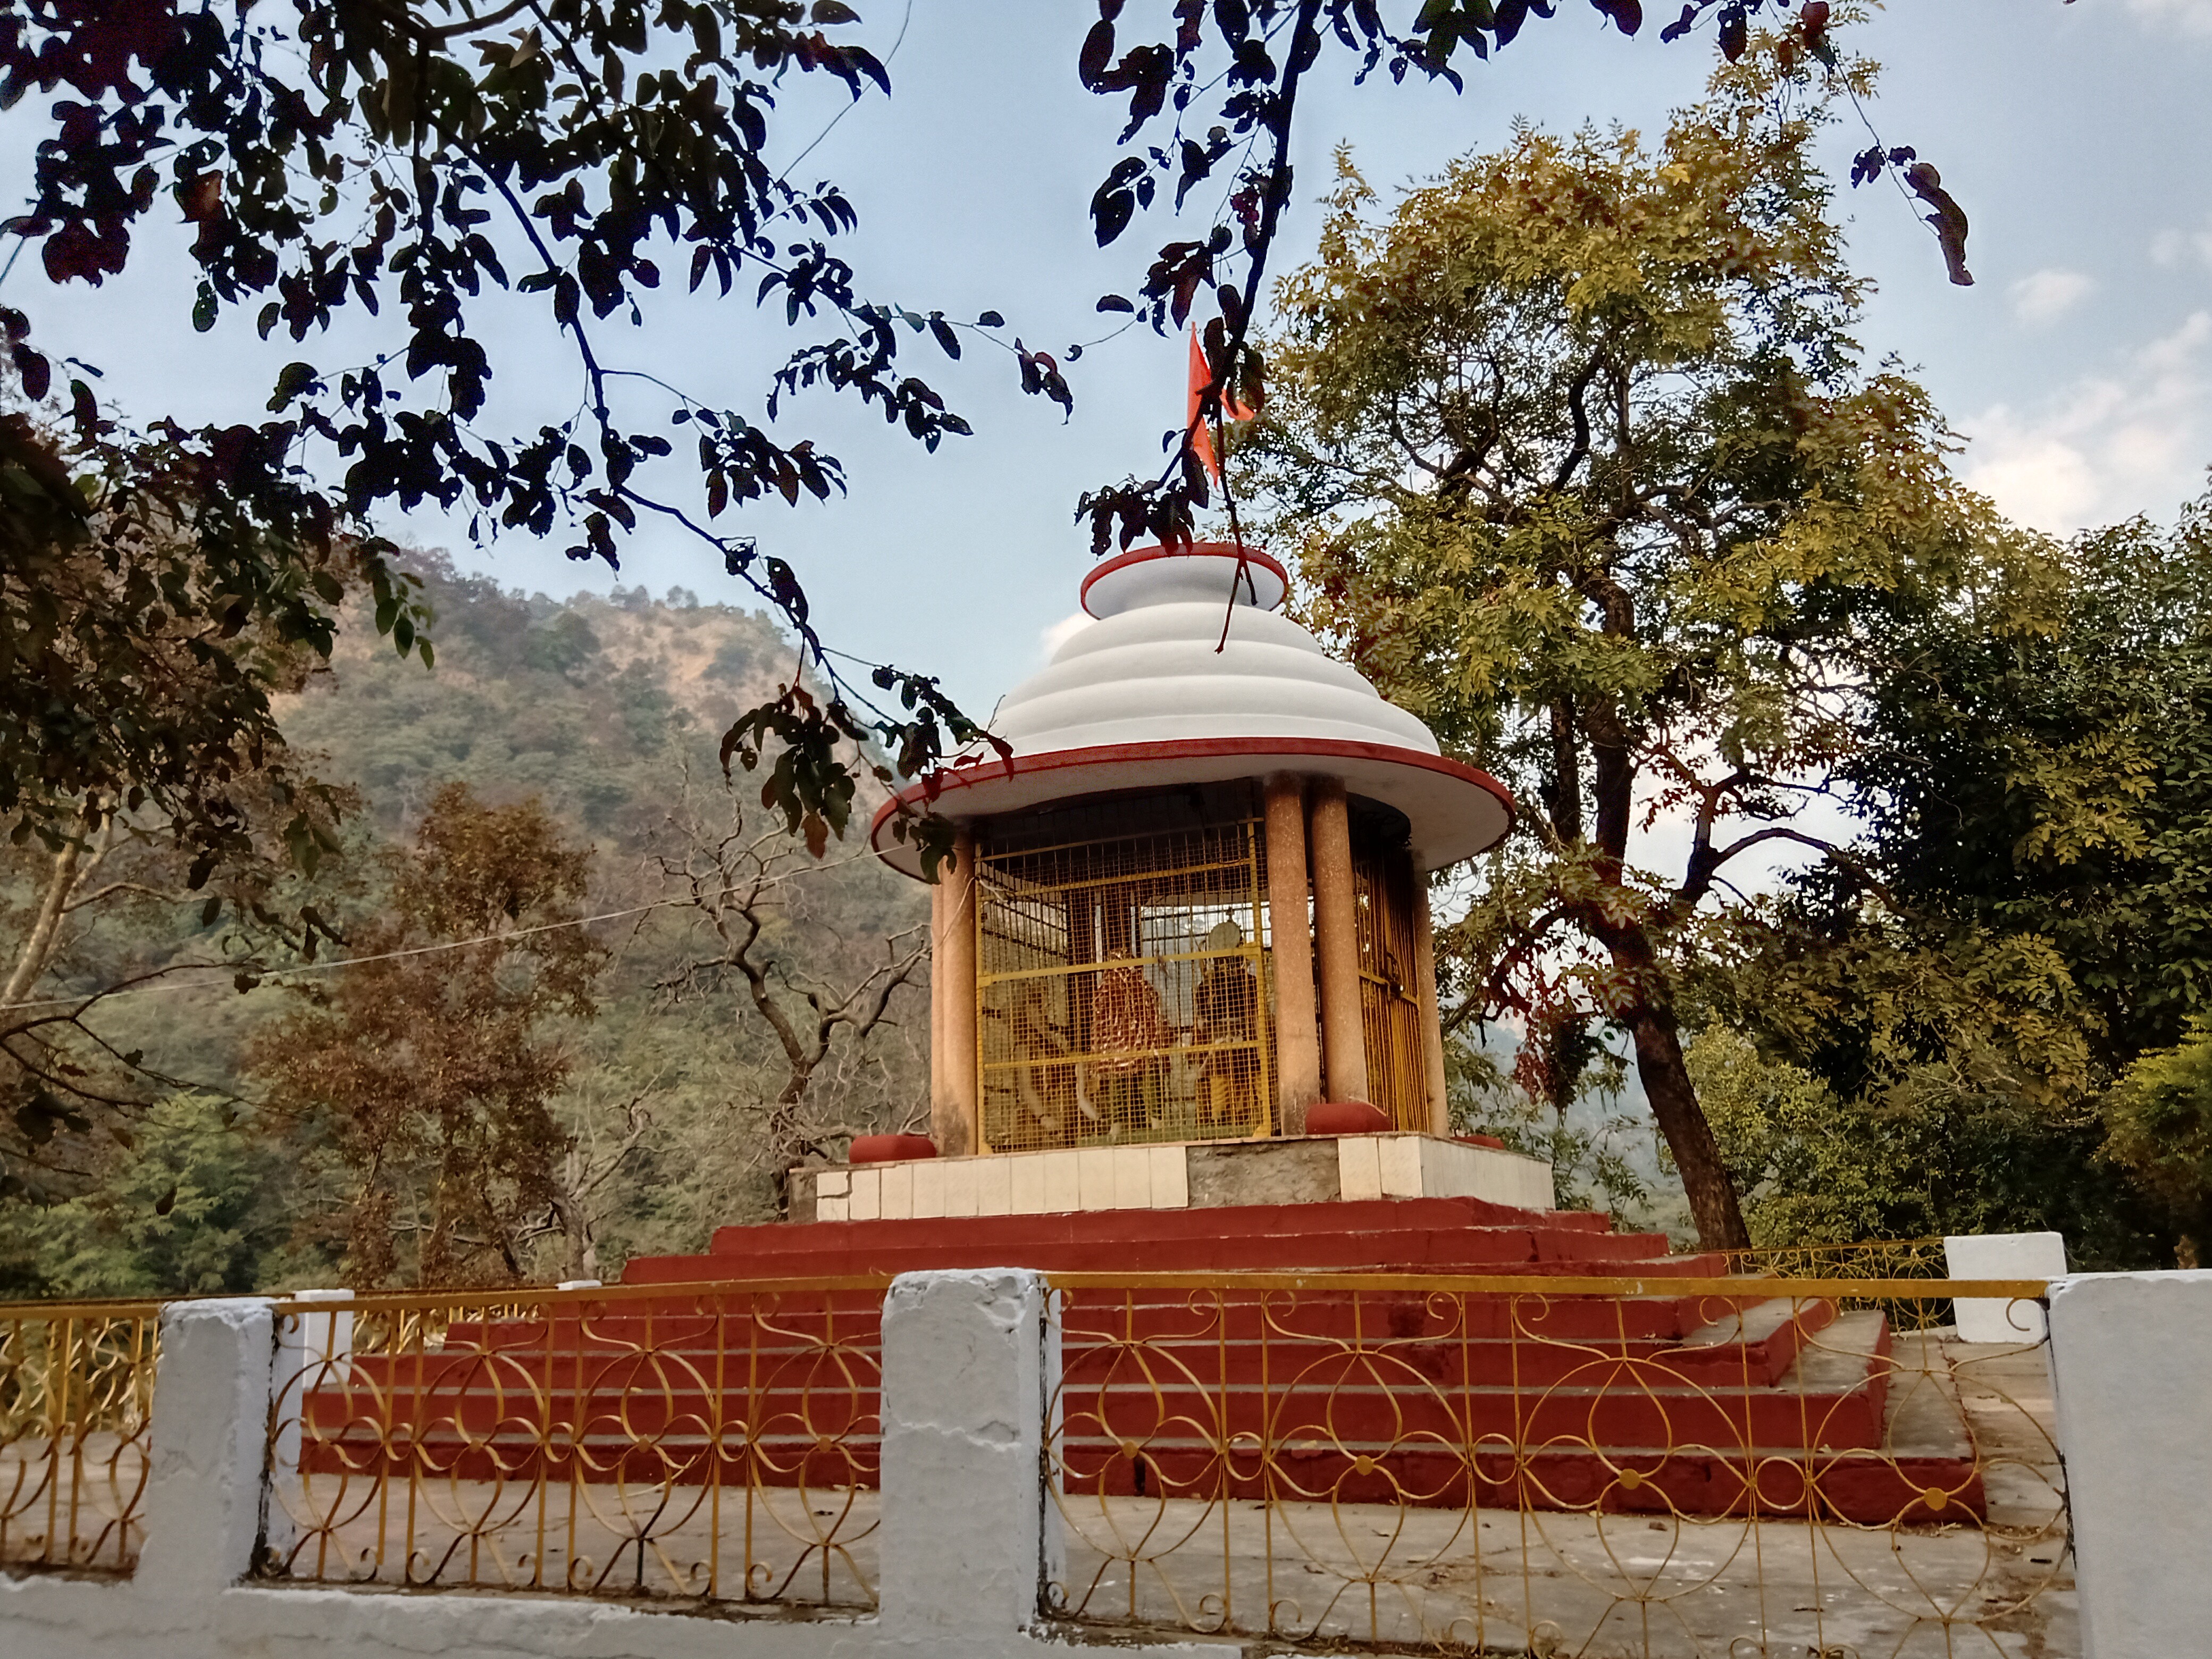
{"x": 1456, "y": 811}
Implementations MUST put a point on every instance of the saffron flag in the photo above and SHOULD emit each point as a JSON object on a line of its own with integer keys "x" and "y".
{"x": 1201, "y": 377}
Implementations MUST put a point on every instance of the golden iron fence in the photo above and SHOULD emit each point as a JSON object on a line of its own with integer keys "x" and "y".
{"x": 1639, "y": 1466}
{"x": 1122, "y": 975}
{"x": 713, "y": 1444}
{"x": 1878, "y": 1258}
{"x": 76, "y": 1389}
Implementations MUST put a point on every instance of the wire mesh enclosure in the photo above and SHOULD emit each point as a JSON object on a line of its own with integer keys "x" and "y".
{"x": 1122, "y": 972}
{"x": 1389, "y": 999}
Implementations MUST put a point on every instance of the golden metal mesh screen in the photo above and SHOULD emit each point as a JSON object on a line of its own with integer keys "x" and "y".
{"x": 1122, "y": 974}
{"x": 1389, "y": 1002}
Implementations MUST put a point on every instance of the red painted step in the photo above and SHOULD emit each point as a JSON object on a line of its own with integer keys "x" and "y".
{"x": 1406, "y": 1235}
{"x": 1102, "y": 1225}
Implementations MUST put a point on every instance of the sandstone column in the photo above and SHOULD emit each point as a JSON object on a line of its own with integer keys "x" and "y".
{"x": 1425, "y": 991}
{"x": 956, "y": 1116}
{"x": 1336, "y": 938}
{"x": 940, "y": 1051}
{"x": 1297, "y": 1041}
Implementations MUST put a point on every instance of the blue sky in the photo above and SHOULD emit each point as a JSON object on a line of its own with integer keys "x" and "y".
{"x": 2078, "y": 137}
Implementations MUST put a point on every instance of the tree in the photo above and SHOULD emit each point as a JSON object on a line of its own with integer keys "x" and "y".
{"x": 187, "y": 1209}
{"x": 742, "y": 901}
{"x": 2161, "y": 1120}
{"x": 2025, "y": 912}
{"x": 428, "y": 1065}
{"x": 406, "y": 166}
{"x": 157, "y": 590}
{"x": 1582, "y": 466}
{"x": 2037, "y": 764}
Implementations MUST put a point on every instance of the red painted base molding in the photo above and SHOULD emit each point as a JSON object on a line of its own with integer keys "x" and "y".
{"x": 1347, "y": 1117}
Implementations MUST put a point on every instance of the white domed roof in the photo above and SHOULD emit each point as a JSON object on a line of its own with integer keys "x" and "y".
{"x": 1189, "y": 676}
{"x": 1159, "y": 665}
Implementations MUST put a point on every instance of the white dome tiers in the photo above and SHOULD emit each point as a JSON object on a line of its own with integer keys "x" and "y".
{"x": 1143, "y": 699}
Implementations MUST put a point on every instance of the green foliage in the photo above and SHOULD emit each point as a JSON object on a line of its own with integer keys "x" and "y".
{"x": 195, "y": 1207}
{"x": 2160, "y": 1119}
{"x": 564, "y": 643}
{"x": 1596, "y": 1144}
{"x": 2028, "y": 908}
{"x": 396, "y": 171}
{"x": 1235, "y": 71}
{"x": 1816, "y": 1166}
{"x": 609, "y": 746}
{"x": 2039, "y": 768}
{"x": 157, "y": 593}
{"x": 392, "y": 169}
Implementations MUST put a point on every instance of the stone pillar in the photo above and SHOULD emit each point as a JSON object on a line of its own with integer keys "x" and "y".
{"x": 2129, "y": 1356}
{"x": 955, "y": 1118}
{"x": 1424, "y": 992}
{"x": 969, "y": 1533}
{"x": 210, "y": 1418}
{"x": 1297, "y": 1039}
{"x": 940, "y": 1053}
{"x": 1336, "y": 938}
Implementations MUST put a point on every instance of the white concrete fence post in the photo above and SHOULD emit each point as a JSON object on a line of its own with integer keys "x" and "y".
{"x": 2131, "y": 1365}
{"x": 2001, "y": 1255}
{"x": 969, "y": 1534}
{"x": 210, "y": 1416}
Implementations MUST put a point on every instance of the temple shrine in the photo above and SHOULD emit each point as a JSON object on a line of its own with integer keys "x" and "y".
{"x": 1188, "y": 921}
{"x": 1183, "y": 1005}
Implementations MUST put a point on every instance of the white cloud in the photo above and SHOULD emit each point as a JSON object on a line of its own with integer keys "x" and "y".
{"x": 2191, "y": 17}
{"x": 2170, "y": 247}
{"x": 2042, "y": 297}
{"x": 1063, "y": 630}
{"x": 2133, "y": 441}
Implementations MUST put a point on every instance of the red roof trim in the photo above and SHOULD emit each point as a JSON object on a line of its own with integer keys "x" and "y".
{"x": 1195, "y": 549}
{"x": 1262, "y": 750}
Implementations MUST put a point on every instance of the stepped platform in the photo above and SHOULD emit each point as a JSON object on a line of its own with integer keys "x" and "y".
{"x": 1700, "y": 1403}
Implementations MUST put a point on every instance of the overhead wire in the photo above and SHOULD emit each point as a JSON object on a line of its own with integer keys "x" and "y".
{"x": 262, "y": 976}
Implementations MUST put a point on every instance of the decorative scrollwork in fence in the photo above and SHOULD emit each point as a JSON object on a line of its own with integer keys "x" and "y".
{"x": 76, "y": 1389}
{"x": 710, "y": 1444}
{"x": 1875, "y": 1258}
{"x": 1584, "y": 1466}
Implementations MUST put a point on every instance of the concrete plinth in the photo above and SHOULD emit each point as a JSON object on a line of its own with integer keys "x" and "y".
{"x": 1172, "y": 1175}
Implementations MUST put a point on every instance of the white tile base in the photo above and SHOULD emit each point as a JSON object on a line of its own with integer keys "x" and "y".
{"x": 1157, "y": 1177}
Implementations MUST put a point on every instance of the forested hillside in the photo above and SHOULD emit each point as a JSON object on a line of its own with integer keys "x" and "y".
{"x": 606, "y": 713}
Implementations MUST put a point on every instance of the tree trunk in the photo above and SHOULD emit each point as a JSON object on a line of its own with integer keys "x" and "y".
{"x": 39, "y": 949}
{"x": 580, "y": 1250}
{"x": 1667, "y": 1086}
